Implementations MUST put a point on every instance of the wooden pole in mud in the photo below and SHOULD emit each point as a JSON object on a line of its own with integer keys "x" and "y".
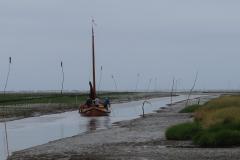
{"x": 191, "y": 90}
{"x": 62, "y": 77}
{"x": 143, "y": 110}
{"x": 9, "y": 69}
{"x": 176, "y": 87}
{"x": 155, "y": 84}
{"x": 4, "y": 117}
{"x": 115, "y": 83}
{"x": 173, "y": 83}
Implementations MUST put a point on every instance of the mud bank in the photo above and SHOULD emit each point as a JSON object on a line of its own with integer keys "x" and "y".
{"x": 141, "y": 138}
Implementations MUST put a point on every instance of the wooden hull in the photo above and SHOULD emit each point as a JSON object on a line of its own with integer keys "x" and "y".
{"x": 93, "y": 111}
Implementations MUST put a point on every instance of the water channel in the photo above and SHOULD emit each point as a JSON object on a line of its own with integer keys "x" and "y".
{"x": 35, "y": 131}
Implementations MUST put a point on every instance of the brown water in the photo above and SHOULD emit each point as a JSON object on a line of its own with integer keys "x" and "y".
{"x": 35, "y": 131}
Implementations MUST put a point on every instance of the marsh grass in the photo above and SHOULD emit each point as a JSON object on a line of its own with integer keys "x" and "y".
{"x": 29, "y": 104}
{"x": 66, "y": 98}
{"x": 13, "y": 99}
{"x": 191, "y": 108}
{"x": 222, "y": 138}
{"x": 185, "y": 131}
{"x": 209, "y": 118}
{"x": 219, "y": 122}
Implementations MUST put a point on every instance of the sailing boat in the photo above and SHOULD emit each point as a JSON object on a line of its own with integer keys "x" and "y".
{"x": 93, "y": 105}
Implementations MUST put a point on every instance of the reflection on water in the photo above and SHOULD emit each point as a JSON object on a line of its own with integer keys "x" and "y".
{"x": 92, "y": 124}
{"x": 34, "y": 131}
{"x": 95, "y": 123}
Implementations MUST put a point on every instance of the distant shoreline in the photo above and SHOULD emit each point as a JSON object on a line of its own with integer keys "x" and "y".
{"x": 40, "y": 109}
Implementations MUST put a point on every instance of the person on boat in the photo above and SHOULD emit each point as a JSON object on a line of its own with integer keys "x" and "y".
{"x": 106, "y": 103}
{"x": 97, "y": 102}
{"x": 89, "y": 102}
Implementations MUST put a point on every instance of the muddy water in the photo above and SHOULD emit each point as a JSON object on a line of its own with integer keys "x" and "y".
{"x": 34, "y": 131}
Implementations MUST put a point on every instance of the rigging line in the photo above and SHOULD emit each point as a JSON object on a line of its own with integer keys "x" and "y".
{"x": 100, "y": 79}
{"x": 93, "y": 23}
{"x": 90, "y": 70}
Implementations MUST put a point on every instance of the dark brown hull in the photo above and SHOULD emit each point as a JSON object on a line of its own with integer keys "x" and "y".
{"x": 93, "y": 111}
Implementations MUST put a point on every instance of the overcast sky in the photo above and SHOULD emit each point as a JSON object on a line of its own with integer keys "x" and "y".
{"x": 159, "y": 39}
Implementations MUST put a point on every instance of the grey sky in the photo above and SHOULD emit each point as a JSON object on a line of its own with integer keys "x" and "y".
{"x": 156, "y": 38}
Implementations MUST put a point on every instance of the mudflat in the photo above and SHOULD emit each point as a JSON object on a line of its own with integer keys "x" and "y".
{"x": 142, "y": 138}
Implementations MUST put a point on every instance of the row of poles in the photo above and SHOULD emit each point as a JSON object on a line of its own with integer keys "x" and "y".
{"x": 100, "y": 79}
{"x": 174, "y": 84}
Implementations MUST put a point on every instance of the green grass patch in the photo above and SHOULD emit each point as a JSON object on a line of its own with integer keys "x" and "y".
{"x": 209, "y": 118}
{"x": 220, "y": 138}
{"x": 216, "y": 123}
{"x": 66, "y": 98}
{"x": 185, "y": 131}
{"x": 191, "y": 108}
{"x": 33, "y": 98}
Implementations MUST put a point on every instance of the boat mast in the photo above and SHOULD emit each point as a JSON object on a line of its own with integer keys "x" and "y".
{"x": 93, "y": 62}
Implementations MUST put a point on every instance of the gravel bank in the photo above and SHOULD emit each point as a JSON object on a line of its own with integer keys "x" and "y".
{"x": 141, "y": 138}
